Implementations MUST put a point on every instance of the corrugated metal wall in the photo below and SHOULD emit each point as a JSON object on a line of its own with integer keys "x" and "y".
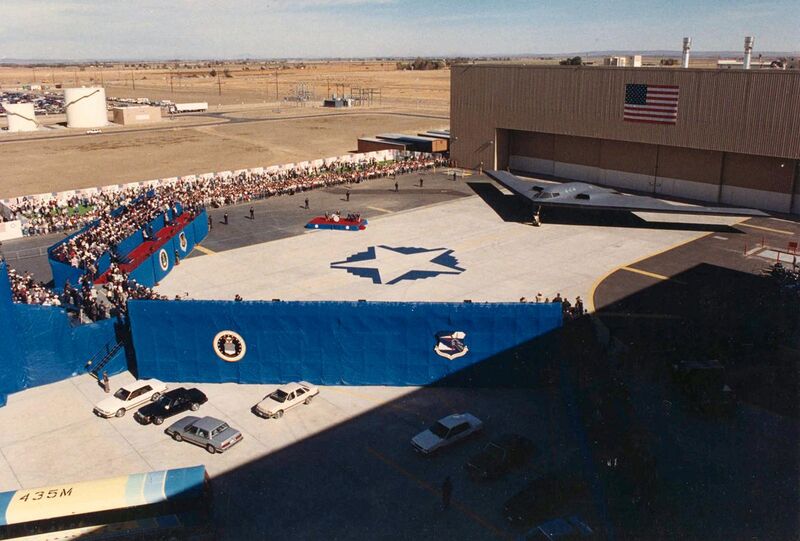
{"x": 746, "y": 112}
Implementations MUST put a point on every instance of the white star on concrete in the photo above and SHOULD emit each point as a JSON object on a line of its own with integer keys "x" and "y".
{"x": 391, "y": 264}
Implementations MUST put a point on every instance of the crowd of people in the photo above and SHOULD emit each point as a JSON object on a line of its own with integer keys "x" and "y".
{"x": 43, "y": 217}
{"x": 83, "y": 300}
{"x": 568, "y": 309}
{"x": 26, "y": 290}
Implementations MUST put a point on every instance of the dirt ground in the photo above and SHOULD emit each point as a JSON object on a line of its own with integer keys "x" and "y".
{"x": 77, "y": 162}
{"x": 245, "y": 125}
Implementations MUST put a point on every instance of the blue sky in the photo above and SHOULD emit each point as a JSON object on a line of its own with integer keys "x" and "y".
{"x": 83, "y": 29}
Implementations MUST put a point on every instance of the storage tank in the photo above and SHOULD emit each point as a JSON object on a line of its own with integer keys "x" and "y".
{"x": 86, "y": 107}
{"x": 20, "y": 117}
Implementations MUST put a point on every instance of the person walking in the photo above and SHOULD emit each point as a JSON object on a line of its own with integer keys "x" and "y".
{"x": 420, "y": 181}
{"x": 396, "y": 187}
{"x": 306, "y": 202}
{"x": 347, "y": 195}
{"x": 106, "y": 384}
{"x": 447, "y": 492}
{"x": 225, "y": 218}
{"x": 252, "y": 213}
{"x": 210, "y": 223}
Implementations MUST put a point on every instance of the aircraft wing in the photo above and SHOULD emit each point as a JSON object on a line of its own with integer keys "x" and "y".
{"x": 595, "y": 197}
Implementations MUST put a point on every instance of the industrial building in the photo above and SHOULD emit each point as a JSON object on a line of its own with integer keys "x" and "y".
{"x": 131, "y": 116}
{"x": 86, "y": 107}
{"x": 21, "y": 117}
{"x": 417, "y": 143}
{"x": 720, "y": 136}
{"x": 372, "y": 144}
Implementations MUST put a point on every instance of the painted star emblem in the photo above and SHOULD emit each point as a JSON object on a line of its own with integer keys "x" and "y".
{"x": 388, "y": 265}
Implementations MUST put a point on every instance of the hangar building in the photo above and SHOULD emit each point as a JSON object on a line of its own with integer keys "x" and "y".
{"x": 721, "y": 136}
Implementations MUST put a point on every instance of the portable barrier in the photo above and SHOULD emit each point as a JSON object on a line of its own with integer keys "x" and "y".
{"x": 361, "y": 343}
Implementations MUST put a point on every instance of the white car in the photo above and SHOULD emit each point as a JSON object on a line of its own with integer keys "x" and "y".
{"x": 129, "y": 397}
{"x": 446, "y": 431}
{"x": 93, "y": 132}
{"x": 287, "y": 396}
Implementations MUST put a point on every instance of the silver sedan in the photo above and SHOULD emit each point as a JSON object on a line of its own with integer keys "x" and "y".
{"x": 215, "y": 435}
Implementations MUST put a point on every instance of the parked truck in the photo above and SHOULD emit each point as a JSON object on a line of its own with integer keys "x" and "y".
{"x": 197, "y": 107}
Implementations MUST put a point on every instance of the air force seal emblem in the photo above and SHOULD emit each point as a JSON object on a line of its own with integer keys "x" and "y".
{"x": 229, "y": 346}
{"x": 450, "y": 345}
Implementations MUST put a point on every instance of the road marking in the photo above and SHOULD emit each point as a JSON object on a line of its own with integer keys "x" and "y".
{"x": 379, "y": 209}
{"x": 204, "y": 250}
{"x": 590, "y": 307}
{"x": 781, "y": 231}
{"x": 650, "y": 274}
{"x": 436, "y": 492}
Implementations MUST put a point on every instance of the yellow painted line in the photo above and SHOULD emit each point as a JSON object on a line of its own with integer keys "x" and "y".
{"x": 590, "y": 307}
{"x": 379, "y": 209}
{"x": 650, "y": 274}
{"x": 781, "y": 231}
{"x": 436, "y": 492}
{"x": 204, "y": 249}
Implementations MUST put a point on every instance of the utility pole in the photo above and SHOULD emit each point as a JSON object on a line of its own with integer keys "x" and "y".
{"x": 34, "y": 74}
{"x": 53, "y": 73}
{"x": 276, "y": 85}
{"x": 133, "y": 80}
{"x": 102, "y": 80}
{"x": 75, "y": 76}
{"x": 171, "y": 89}
{"x": 219, "y": 84}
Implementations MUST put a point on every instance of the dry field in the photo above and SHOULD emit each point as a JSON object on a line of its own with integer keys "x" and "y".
{"x": 247, "y": 126}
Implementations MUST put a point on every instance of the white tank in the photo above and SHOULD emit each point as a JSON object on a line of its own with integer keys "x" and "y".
{"x": 20, "y": 117}
{"x": 86, "y": 107}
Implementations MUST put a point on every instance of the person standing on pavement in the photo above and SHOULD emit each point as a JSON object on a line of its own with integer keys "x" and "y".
{"x": 106, "y": 384}
{"x": 420, "y": 181}
{"x": 306, "y": 202}
{"x": 396, "y": 186}
{"x": 347, "y": 195}
{"x": 447, "y": 492}
{"x": 225, "y": 218}
{"x": 252, "y": 213}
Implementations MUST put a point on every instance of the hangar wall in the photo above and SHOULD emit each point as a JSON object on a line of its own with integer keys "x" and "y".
{"x": 720, "y": 177}
{"x": 332, "y": 343}
{"x": 736, "y": 140}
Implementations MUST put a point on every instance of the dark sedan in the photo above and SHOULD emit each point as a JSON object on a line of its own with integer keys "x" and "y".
{"x": 542, "y": 498}
{"x": 500, "y": 456}
{"x": 171, "y": 403}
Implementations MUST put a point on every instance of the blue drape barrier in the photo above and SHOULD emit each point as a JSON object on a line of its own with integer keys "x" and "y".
{"x": 12, "y": 375}
{"x": 39, "y": 345}
{"x": 130, "y": 244}
{"x": 332, "y": 342}
{"x": 51, "y": 348}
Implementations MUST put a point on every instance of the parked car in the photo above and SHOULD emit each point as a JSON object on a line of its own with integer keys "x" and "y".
{"x": 500, "y": 456}
{"x": 94, "y": 131}
{"x": 285, "y": 397}
{"x": 703, "y": 384}
{"x": 171, "y": 403}
{"x": 542, "y": 498}
{"x": 129, "y": 397}
{"x": 570, "y": 528}
{"x": 446, "y": 431}
{"x": 215, "y": 435}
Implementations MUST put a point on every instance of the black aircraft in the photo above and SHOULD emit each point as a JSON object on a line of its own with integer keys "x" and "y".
{"x": 583, "y": 195}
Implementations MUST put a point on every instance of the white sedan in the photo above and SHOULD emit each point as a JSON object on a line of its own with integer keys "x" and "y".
{"x": 130, "y": 396}
{"x": 287, "y": 396}
{"x": 446, "y": 431}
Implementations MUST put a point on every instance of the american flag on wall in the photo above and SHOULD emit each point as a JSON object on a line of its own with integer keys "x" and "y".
{"x": 651, "y": 103}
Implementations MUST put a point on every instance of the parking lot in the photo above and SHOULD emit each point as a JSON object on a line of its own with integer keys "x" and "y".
{"x": 347, "y": 455}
